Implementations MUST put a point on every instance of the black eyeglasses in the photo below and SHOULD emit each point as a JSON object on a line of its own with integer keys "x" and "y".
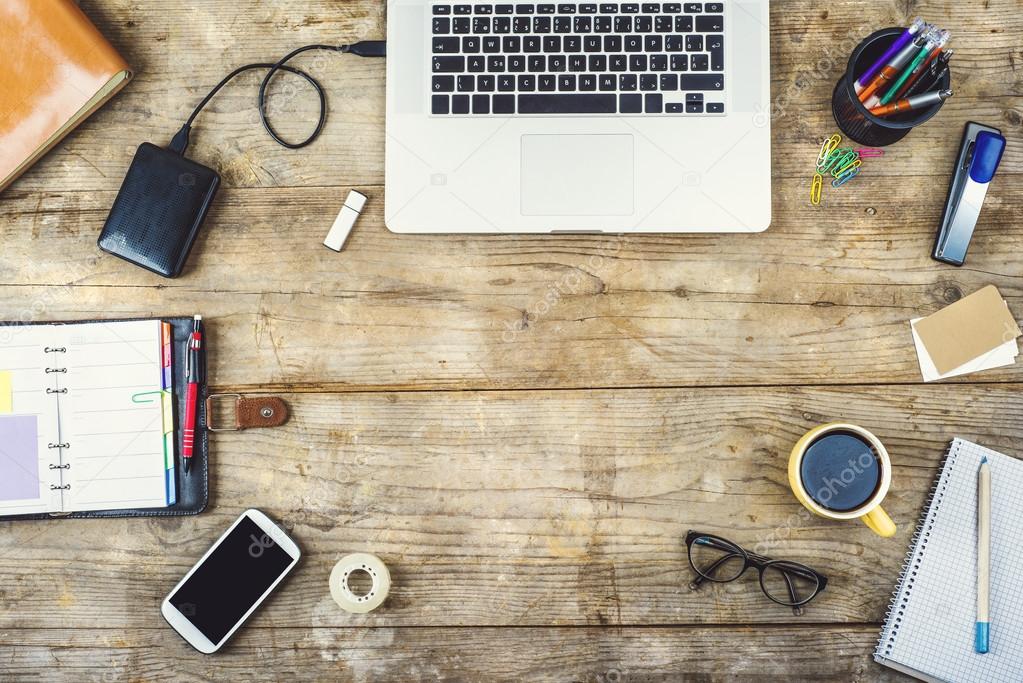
{"x": 719, "y": 560}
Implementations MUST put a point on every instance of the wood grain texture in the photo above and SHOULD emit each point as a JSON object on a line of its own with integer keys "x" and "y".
{"x": 522, "y": 427}
{"x": 510, "y": 509}
{"x": 180, "y": 50}
{"x": 816, "y": 299}
{"x": 369, "y": 655}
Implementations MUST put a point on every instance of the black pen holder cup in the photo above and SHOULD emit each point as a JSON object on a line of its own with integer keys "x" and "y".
{"x": 853, "y": 119}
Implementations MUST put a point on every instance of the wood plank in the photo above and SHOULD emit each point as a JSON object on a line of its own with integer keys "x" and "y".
{"x": 819, "y": 298}
{"x": 181, "y": 50}
{"x": 516, "y": 508}
{"x": 364, "y": 655}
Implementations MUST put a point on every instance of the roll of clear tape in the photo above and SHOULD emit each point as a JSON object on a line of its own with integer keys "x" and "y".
{"x": 342, "y": 592}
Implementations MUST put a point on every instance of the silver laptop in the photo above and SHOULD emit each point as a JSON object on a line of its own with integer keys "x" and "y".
{"x": 578, "y": 117}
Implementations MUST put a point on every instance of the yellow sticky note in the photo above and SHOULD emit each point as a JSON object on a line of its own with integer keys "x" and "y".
{"x": 6, "y": 393}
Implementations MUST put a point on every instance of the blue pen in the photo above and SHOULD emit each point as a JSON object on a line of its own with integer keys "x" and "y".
{"x": 982, "y": 638}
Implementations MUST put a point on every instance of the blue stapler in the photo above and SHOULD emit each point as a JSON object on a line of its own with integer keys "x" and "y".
{"x": 978, "y": 159}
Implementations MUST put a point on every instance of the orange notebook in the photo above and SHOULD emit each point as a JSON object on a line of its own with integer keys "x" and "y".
{"x": 57, "y": 70}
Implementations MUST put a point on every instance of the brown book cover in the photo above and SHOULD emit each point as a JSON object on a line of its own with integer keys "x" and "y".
{"x": 58, "y": 69}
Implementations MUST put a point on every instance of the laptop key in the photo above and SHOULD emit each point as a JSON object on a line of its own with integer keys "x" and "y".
{"x": 461, "y": 25}
{"x": 562, "y": 24}
{"x": 463, "y": 9}
{"x": 481, "y": 104}
{"x": 654, "y": 103}
{"x": 577, "y": 63}
{"x": 694, "y": 107}
{"x": 502, "y": 25}
{"x": 674, "y": 108}
{"x": 588, "y": 9}
{"x": 607, "y": 82}
{"x": 683, "y": 24}
{"x": 658, "y": 62}
{"x": 694, "y": 97}
{"x": 648, "y": 82}
{"x": 651, "y": 7}
{"x": 573, "y": 44}
{"x": 445, "y": 45}
{"x": 541, "y": 24}
{"x": 475, "y": 65}
{"x": 547, "y": 83}
{"x": 680, "y": 62}
{"x": 609, "y": 8}
{"x": 521, "y": 24}
{"x": 694, "y": 43}
{"x": 716, "y": 47}
{"x": 504, "y": 9}
{"x": 669, "y": 82}
{"x": 442, "y": 9}
{"x": 516, "y": 63}
{"x": 527, "y": 83}
{"x": 587, "y": 82}
{"x": 525, "y": 9}
{"x": 701, "y": 81}
{"x": 503, "y": 104}
{"x": 491, "y": 44}
{"x": 459, "y": 104}
{"x": 628, "y": 82}
{"x": 717, "y": 7}
{"x": 552, "y": 44}
{"x": 663, "y": 24}
{"x": 480, "y": 25}
{"x": 566, "y": 82}
{"x": 441, "y": 25}
{"x": 448, "y": 64}
{"x": 483, "y": 9}
{"x": 511, "y": 44}
{"x": 443, "y": 83}
{"x": 698, "y": 63}
{"x": 495, "y": 64}
{"x": 693, "y": 7}
{"x": 630, "y": 104}
{"x": 710, "y": 23}
{"x": 630, "y": 8}
{"x": 602, "y": 24}
{"x": 567, "y": 103}
{"x": 466, "y": 83}
{"x": 440, "y": 104}
{"x": 485, "y": 83}
{"x": 545, "y": 9}
{"x": 531, "y": 44}
{"x": 643, "y": 24}
{"x": 565, "y": 8}
{"x": 470, "y": 44}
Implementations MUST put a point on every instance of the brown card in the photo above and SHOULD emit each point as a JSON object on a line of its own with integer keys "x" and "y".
{"x": 967, "y": 329}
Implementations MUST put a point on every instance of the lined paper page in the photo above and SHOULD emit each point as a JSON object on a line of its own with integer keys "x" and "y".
{"x": 937, "y": 606}
{"x": 28, "y": 423}
{"x": 113, "y": 416}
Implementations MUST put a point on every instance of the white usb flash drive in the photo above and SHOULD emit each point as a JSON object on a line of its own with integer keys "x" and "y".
{"x": 345, "y": 221}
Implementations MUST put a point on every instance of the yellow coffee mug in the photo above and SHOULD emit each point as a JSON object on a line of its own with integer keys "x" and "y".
{"x": 870, "y": 512}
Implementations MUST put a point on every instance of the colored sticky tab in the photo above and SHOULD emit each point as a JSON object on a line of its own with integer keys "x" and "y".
{"x": 19, "y": 457}
{"x": 6, "y": 393}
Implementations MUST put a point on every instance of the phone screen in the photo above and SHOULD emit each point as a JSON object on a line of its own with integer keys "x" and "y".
{"x": 231, "y": 580}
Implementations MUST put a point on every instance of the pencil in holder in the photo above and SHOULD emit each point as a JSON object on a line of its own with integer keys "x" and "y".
{"x": 855, "y": 120}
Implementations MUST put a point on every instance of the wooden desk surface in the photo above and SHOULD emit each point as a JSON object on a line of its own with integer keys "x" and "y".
{"x": 522, "y": 427}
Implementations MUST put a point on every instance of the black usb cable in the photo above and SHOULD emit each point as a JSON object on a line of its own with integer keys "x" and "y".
{"x": 365, "y": 48}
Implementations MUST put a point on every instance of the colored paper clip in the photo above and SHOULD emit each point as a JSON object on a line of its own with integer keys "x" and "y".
{"x": 845, "y": 177}
{"x": 870, "y": 152}
{"x": 816, "y": 187}
{"x": 850, "y": 159}
{"x": 829, "y": 146}
{"x": 855, "y": 163}
{"x": 830, "y": 162}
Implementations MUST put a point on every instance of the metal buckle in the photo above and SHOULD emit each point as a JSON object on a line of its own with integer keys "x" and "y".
{"x": 210, "y": 404}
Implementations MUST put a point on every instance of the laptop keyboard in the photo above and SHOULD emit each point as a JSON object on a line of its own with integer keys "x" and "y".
{"x": 646, "y": 58}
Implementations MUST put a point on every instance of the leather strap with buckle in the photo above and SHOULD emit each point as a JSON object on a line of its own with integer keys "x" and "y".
{"x": 249, "y": 412}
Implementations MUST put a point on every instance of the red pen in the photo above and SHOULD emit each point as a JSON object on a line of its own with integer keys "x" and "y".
{"x": 193, "y": 374}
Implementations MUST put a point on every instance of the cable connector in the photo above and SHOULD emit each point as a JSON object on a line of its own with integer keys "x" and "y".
{"x": 368, "y": 48}
{"x": 179, "y": 143}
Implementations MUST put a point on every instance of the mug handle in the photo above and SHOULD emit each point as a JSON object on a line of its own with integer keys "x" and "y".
{"x": 879, "y": 522}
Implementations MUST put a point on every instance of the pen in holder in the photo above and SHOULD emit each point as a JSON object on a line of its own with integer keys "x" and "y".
{"x": 854, "y": 119}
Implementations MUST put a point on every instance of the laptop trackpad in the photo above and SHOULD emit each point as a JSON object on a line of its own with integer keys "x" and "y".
{"x": 577, "y": 175}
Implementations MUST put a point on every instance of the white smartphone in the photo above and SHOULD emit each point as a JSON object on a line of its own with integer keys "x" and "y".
{"x": 231, "y": 580}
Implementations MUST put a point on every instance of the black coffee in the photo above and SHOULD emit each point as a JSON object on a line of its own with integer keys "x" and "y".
{"x": 841, "y": 471}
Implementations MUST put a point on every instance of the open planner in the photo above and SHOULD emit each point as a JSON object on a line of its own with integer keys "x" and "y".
{"x": 929, "y": 632}
{"x": 87, "y": 420}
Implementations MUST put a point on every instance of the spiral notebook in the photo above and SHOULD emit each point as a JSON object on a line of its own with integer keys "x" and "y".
{"x": 87, "y": 416}
{"x": 929, "y": 631}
